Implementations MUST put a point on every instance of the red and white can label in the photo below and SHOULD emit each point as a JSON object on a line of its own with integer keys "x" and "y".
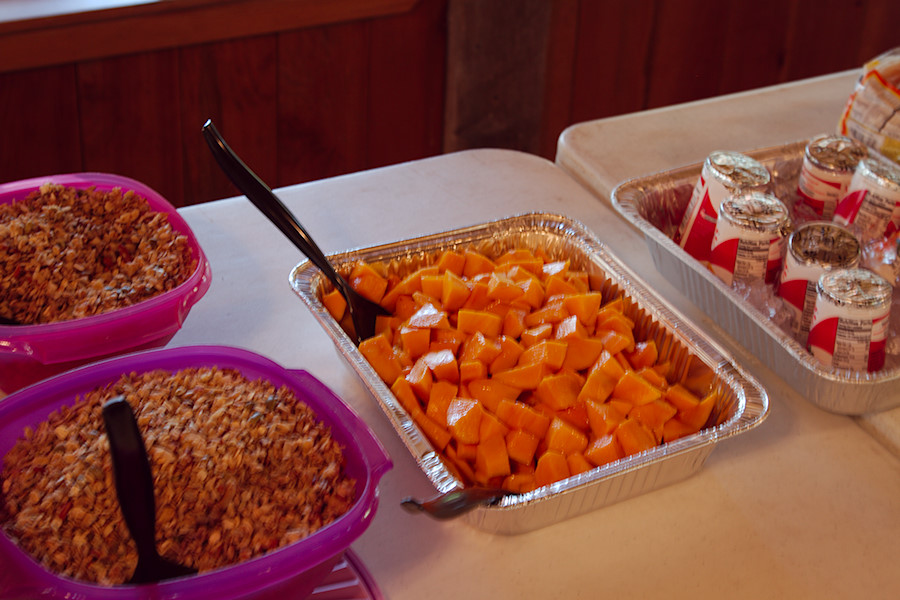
{"x": 723, "y": 174}
{"x": 872, "y": 203}
{"x": 813, "y": 249}
{"x": 849, "y": 335}
{"x": 828, "y": 166}
{"x": 747, "y": 243}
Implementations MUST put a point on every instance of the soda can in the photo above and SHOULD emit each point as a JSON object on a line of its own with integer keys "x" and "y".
{"x": 723, "y": 174}
{"x": 748, "y": 239}
{"x": 812, "y": 249}
{"x": 872, "y": 203}
{"x": 829, "y": 162}
{"x": 850, "y": 321}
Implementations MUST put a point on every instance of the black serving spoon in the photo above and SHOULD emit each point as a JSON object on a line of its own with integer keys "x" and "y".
{"x": 134, "y": 487}
{"x": 455, "y": 502}
{"x": 362, "y": 310}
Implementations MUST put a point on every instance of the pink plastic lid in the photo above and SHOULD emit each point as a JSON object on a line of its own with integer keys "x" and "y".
{"x": 295, "y": 569}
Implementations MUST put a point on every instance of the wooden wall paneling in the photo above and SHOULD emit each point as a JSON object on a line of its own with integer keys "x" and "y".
{"x": 881, "y": 27}
{"x": 823, "y": 37}
{"x": 496, "y": 67}
{"x": 322, "y": 88}
{"x": 559, "y": 79}
{"x": 614, "y": 42}
{"x": 684, "y": 63}
{"x": 235, "y": 84}
{"x": 753, "y": 51}
{"x": 406, "y": 84}
{"x": 130, "y": 119}
{"x": 39, "y": 123}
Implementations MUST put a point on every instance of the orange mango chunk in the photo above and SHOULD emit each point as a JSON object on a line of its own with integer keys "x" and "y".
{"x": 443, "y": 365}
{"x": 635, "y": 389}
{"x": 379, "y": 353}
{"x": 434, "y": 431}
{"x": 578, "y": 463}
{"x": 644, "y": 355}
{"x": 634, "y": 437}
{"x": 464, "y": 420}
{"x": 564, "y": 438}
{"x": 442, "y": 393}
{"x": 491, "y": 458}
{"x": 476, "y": 263}
{"x": 584, "y": 307}
{"x": 602, "y": 418}
{"x": 367, "y": 282}
{"x": 603, "y": 450}
{"x": 551, "y": 353}
{"x": 653, "y": 415}
{"x": 521, "y": 445}
{"x": 523, "y": 377}
{"x": 551, "y": 467}
{"x": 491, "y": 392}
{"x": 415, "y": 340}
{"x": 474, "y": 321}
{"x": 518, "y": 415}
{"x": 696, "y": 417}
{"x": 428, "y": 315}
{"x": 454, "y": 291}
{"x": 451, "y": 261}
{"x": 559, "y": 391}
{"x": 335, "y": 304}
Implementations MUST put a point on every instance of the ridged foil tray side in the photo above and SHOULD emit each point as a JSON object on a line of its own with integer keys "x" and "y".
{"x": 742, "y": 402}
{"x": 654, "y": 204}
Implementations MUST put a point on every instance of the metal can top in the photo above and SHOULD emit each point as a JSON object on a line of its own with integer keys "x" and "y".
{"x": 836, "y": 153}
{"x": 756, "y": 211}
{"x": 824, "y": 243}
{"x": 737, "y": 171}
{"x": 887, "y": 174}
{"x": 859, "y": 288}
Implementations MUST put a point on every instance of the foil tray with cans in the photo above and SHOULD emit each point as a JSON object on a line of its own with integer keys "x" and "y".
{"x": 655, "y": 204}
{"x": 741, "y": 402}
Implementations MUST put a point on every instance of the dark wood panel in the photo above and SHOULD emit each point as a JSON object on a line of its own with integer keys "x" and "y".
{"x": 39, "y": 121}
{"x": 614, "y": 42}
{"x": 406, "y": 85}
{"x": 562, "y": 41}
{"x": 233, "y": 83}
{"x": 130, "y": 119}
{"x": 496, "y": 68}
{"x": 322, "y": 88}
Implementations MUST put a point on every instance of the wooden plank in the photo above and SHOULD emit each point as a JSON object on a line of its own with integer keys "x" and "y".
{"x": 322, "y": 99}
{"x": 130, "y": 119}
{"x": 559, "y": 80}
{"x": 406, "y": 89}
{"x": 234, "y": 83}
{"x": 496, "y": 62}
{"x": 141, "y": 28}
{"x": 614, "y": 42}
{"x": 39, "y": 121}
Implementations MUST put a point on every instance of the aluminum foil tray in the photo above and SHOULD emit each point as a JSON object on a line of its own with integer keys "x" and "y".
{"x": 742, "y": 403}
{"x": 655, "y": 203}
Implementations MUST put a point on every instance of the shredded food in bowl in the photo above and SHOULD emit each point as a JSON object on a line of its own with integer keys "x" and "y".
{"x": 240, "y": 468}
{"x": 67, "y": 253}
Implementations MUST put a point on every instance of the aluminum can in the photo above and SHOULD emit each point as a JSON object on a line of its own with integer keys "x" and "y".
{"x": 872, "y": 203}
{"x": 828, "y": 166}
{"x": 812, "y": 249}
{"x": 850, "y": 321}
{"x": 723, "y": 174}
{"x": 748, "y": 239}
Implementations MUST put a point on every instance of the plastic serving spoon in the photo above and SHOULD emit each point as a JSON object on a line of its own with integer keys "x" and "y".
{"x": 362, "y": 311}
{"x": 455, "y": 502}
{"x": 134, "y": 487}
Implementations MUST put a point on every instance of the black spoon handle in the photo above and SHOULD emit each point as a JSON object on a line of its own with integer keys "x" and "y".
{"x": 268, "y": 203}
{"x": 132, "y": 475}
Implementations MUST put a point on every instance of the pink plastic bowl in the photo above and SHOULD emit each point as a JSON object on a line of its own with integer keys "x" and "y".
{"x": 29, "y": 353}
{"x": 293, "y": 571}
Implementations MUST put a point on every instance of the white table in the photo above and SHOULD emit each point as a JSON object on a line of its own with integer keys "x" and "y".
{"x": 805, "y": 506}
